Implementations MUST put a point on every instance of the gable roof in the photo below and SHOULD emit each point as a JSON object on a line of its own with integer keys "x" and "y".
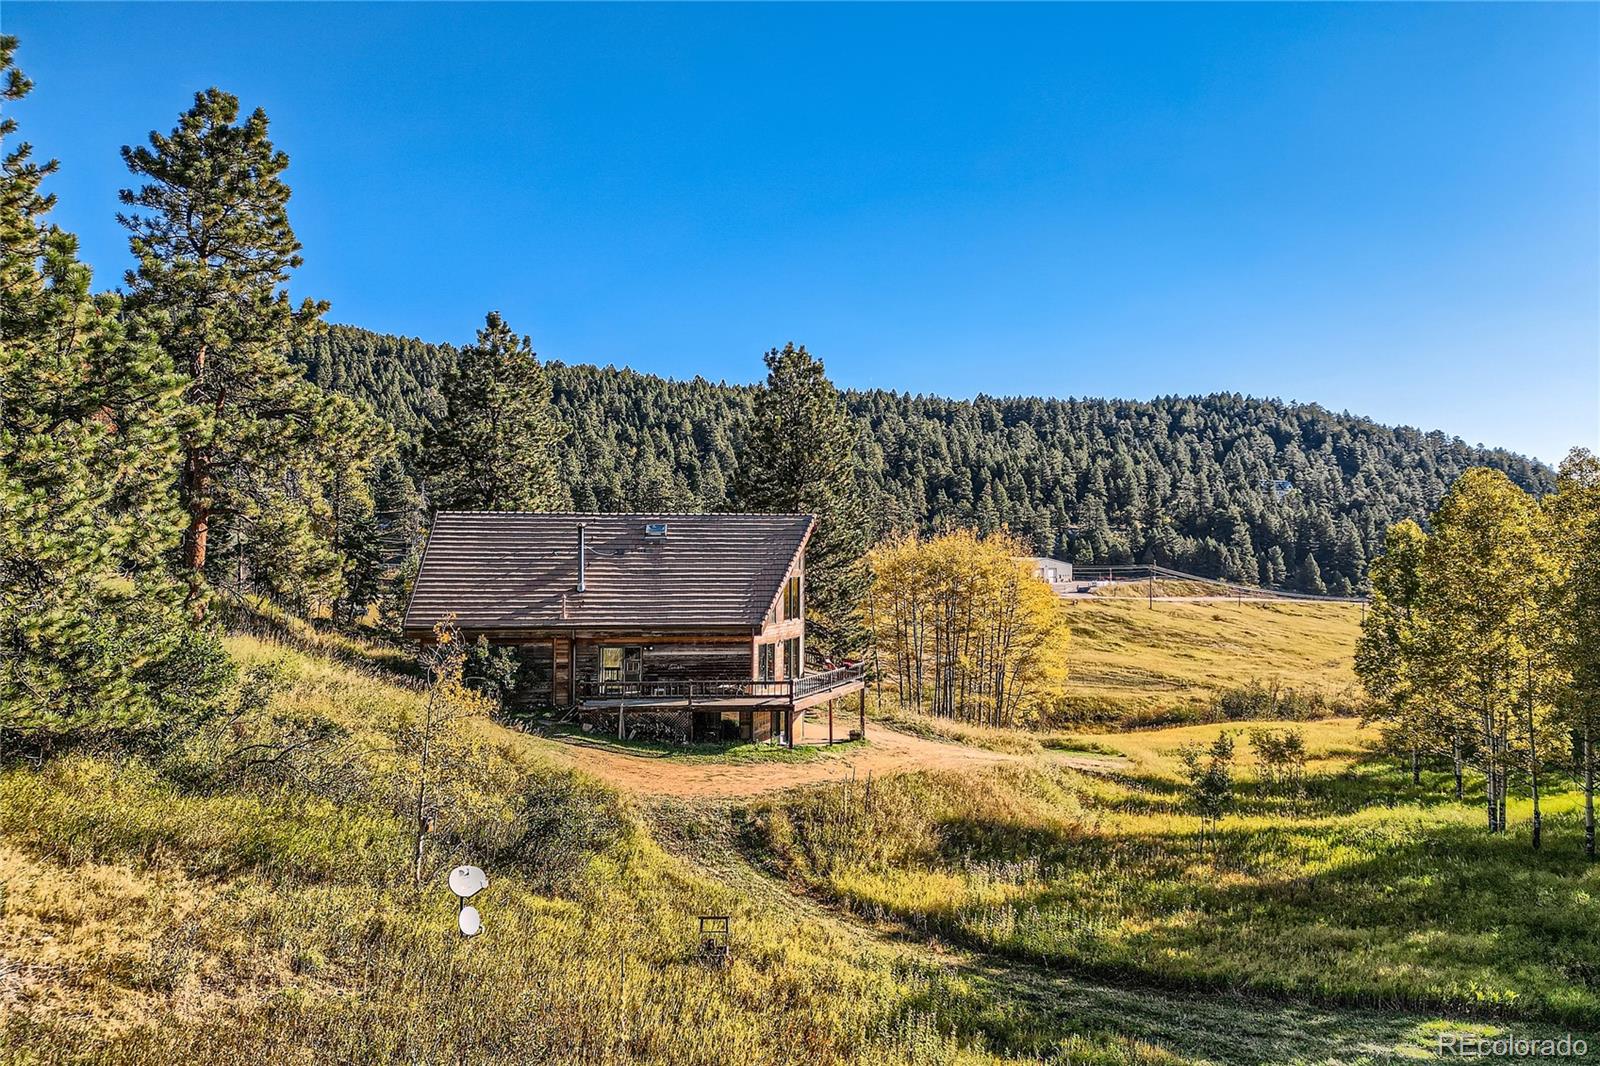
{"x": 499, "y": 570}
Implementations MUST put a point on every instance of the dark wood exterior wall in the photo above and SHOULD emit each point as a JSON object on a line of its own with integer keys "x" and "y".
{"x": 687, "y": 659}
{"x": 554, "y": 668}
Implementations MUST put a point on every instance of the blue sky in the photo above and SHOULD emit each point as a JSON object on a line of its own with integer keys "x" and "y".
{"x": 1389, "y": 209}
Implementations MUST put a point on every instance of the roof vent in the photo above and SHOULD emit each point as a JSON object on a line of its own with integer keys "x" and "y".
{"x": 655, "y": 529}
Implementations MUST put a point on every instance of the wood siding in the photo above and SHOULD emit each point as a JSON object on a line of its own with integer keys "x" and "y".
{"x": 677, "y": 660}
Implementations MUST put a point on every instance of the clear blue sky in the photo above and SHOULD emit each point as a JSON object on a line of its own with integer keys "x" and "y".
{"x": 1389, "y": 209}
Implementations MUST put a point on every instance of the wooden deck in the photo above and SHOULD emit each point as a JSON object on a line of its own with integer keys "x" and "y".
{"x": 727, "y": 694}
{"x": 672, "y": 706}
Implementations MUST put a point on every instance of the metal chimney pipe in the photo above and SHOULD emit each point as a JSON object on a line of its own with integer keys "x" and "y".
{"x": 583, "y": 555}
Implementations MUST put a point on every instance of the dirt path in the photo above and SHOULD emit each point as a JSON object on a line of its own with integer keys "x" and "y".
{"x": 888, "y": 752}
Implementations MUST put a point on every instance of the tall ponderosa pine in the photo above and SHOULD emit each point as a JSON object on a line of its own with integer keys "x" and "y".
{"x": 495, "y": 447}
{"x": 799, "y": 455}
{"x": 210, "y": 229}
{"x": 93, "y": 639}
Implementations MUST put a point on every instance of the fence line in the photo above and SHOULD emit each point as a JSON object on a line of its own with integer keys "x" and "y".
{"x": 1131, "y": 572}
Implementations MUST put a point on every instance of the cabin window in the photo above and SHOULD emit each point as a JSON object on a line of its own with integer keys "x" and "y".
{"x": 792, "y": 666}
{"x": 621, "y": 663}
{"x": 766, "y": 661}
{"x": 791, "y": 597}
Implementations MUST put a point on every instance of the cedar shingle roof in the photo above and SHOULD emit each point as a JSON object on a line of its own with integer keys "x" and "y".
{"x": 510, "y": 570}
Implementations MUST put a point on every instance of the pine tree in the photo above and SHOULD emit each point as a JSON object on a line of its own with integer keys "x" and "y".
{"x": 210, "y": 230}
{"x": 1309, "y": 576}
{"x": 93, "y": 639}
{"x": 495, "y": 446}
{"x": 929, "y": 463}
{"x": 1277, "y": 571}
{"x": 799, "y": 456}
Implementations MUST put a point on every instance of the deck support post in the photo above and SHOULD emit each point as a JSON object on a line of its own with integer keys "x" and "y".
{"x": 830, "y": 723}
{"x": 788, "y": 729}
{"x": 863, "y": 705}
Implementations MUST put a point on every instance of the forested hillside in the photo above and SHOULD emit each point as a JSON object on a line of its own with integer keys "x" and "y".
{"x": 1253, "y": 490}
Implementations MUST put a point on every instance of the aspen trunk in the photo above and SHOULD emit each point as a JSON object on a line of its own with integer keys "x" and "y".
{"x": 1588, "y": 787}
{"x": 1491, "y": 777}
{"x": 1504, "y": 788}
{"x": 1533, "y": 769}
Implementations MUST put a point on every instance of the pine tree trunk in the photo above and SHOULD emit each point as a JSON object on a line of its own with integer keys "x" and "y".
{"x": 1455, "y": 757}
{"x": 1416, "y": 767}
{"x": 197, "y": 487}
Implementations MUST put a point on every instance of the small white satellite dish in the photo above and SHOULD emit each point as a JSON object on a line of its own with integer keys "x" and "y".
{"x": 467, "y": 881}
{"x": 471, "y": 923}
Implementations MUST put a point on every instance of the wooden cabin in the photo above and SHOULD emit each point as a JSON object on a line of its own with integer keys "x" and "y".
{"x": 651, "y": 626}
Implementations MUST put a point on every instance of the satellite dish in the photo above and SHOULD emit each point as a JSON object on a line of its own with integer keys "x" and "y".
{"x": 470, "y": 921}
{"x": 467, "y": 881}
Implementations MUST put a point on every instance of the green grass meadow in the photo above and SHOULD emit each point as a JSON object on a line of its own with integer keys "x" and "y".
{"x": 1365, "y": 891}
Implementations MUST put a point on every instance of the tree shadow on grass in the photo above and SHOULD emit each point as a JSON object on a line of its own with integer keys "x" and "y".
{"x": 1425, "y": 916}
{"x": 1045, "y": 1005}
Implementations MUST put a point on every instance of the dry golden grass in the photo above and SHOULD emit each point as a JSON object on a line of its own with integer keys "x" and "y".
{"x": 1133, "y": 664}
{"x": 155, "y": 912}
{"x": 1331, "y": 744}
{"x": 1143, "y": 589}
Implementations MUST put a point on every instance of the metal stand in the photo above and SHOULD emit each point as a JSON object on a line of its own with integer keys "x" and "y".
{"x": 714, "y": 946}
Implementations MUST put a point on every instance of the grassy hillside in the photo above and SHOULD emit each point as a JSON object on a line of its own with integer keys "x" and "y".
{"x": 1134, "y": 665}
{"x": 1366, "y": 890}
{"x": 247, "y": 898}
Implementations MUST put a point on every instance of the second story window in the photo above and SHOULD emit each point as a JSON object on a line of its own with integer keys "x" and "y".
{"x": 791, "y": 597}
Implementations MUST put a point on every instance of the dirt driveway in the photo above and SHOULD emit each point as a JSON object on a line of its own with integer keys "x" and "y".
{"x": 888, "y": 752}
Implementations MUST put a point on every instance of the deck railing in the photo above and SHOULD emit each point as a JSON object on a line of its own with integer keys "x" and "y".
{"x": 806, "y": 684}
{"x": 785, "y": 691}
{"x": 717, "y": 688}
